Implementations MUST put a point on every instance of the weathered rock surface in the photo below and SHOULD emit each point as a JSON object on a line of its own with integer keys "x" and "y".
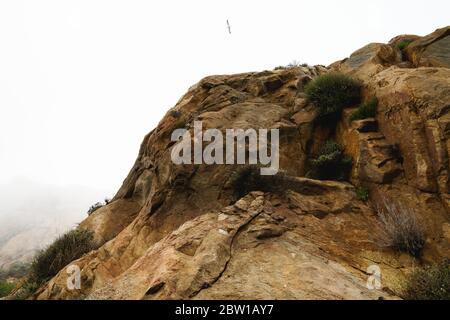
{"x": 176, "y": 232}
{"x": 432, "y": 50}
{"x": 108, "y": 221}
{"x": 370, "y": 60}
{"x": 374, "y": 158}
{"x": 413, "y": 112}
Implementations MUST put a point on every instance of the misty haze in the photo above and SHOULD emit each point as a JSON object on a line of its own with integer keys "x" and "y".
{"x": 108, "y": 193}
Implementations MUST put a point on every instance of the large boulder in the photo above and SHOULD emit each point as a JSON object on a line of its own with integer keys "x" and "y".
{"x": 432, "y": 50}
{"x": 403, "y": 40}
{"x": 108, "y": 221}
{"x": 369, "y": 60}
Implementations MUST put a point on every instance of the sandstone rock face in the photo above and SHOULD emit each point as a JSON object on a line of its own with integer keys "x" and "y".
{"x": 109, "y": 220}
{"x": 176, "y": 231}
{"x": 224, "y": 254}
{"x": 414, "y": 105}
{"x": 432, "y": 50}
{"x": 369, "y": 60}
{"x": 374, "y": 158}
{"x": 406, "y": 38}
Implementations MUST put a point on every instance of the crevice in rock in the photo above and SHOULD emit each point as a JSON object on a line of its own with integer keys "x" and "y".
{"x": 236, "y": 234}
{"x": 155, "y": 289}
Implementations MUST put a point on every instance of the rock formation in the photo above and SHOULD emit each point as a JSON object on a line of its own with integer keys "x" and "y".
{"x": 176, "y": 231}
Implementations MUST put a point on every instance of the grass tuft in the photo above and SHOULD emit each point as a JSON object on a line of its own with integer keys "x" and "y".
{"x": 400, "y": 228}
{"x": 366, "y": 110}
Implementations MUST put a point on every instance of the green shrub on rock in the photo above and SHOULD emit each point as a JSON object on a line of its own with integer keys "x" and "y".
{"x": 248, "y": 178}
{"x": 67, "y": 248}
{"x": 362, "y": 194}
{"x": 429, "y": 283}
{"x": 366, "y": 110}
{"x": 402, "y": 45}
{"x": 330, "y": 164}
{"x": 333, "y": 91}
{"x": 48, "y": 262}
{"x": 6, "y": 288}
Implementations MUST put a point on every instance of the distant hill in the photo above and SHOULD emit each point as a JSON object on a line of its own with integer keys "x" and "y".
{"x": 33, "y": 215}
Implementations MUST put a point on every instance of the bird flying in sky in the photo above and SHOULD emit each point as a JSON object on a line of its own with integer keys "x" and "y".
{"x": 229, "y": 27}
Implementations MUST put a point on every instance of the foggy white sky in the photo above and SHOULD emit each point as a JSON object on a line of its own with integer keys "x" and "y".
{"x": 82, "y": 82}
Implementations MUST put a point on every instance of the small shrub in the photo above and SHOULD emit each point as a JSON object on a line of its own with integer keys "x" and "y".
{"x": 94, "y": 208}
{"x": 292, "y": 64}
{"x": 362, "y": 194}
{"x": 97, "y": 206}
{"x": 400, "y": 228}
{"x": 6, "y": 288}
{"x": 26, "y": 290}
{"x": 244, "y": 180}
{"x": 67, "y": 248}
{"x": 16, "y": 271}
{"x": 331, "y": 164}
{"x": 366, "y": 110}
{"x": 402, "y": 45}
{"x": 247, "y": 179}
{"x": 429, "y": 283}
{"x": 48, "y": 262}
{"x": 175, "y": 114}
{"x": 333, "y": 91}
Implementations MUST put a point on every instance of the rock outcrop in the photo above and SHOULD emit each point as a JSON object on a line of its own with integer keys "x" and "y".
{"x": 432, "y": 50}
{"x": 177, "y": 232}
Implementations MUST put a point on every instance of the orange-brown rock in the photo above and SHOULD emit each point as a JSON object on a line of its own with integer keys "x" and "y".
{"x": 432, "y": 50}
{"x": 413, "y": 112}
{"x": 404, "y": 38}
{"x": 374, "y": 158}
{"x": 176, "y": 231}
{"x": 369, "y": 60}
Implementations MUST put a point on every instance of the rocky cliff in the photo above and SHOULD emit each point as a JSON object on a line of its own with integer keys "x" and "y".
{"x": 177, "y": 231}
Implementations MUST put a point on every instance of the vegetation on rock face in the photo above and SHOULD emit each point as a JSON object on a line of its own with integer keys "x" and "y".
{"x": 94, "y": 208}
{"x": 403, "y": 44}
{"x": 48, "y": 262}
{"x": 333, "y": 91}
{"x": 247, "y": 179}
{"x": 175, "y": 114}
{"x": 362, "y": 194}
{"x": 330, "y": 164}
{"x": 97, "y": 206}
{"x": 400, "y": 229}
{"x": 6, "y": 288}
{"x": 429, "y": 283}
{"x": 365, "y": 110}
{"x": 293, "y": 64}
{"x": 9, "y": 277}
{"x": 26, "y": 290}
